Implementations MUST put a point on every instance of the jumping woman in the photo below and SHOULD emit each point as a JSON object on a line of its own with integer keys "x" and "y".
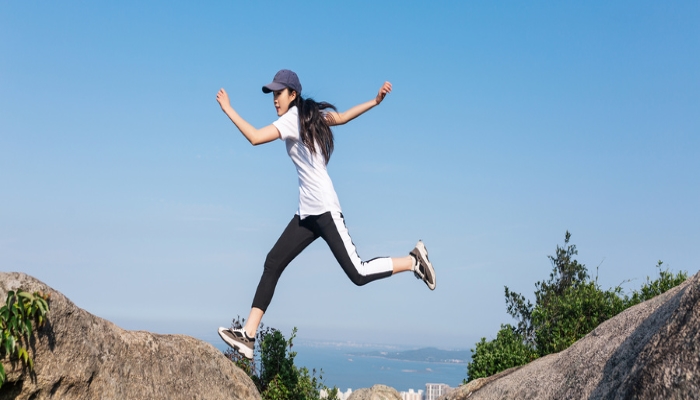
{"x": 305, "y": 127}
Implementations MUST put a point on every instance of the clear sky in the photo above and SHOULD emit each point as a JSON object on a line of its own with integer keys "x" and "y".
{"x": 124, "y": 186}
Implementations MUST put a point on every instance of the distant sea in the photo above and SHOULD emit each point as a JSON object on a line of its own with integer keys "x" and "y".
{"x": 344, "y": 369}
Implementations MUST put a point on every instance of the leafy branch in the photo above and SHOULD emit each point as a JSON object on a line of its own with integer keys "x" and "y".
{"x": 16, "y": 316}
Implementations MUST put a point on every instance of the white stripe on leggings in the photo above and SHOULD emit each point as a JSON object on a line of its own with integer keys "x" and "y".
{"x": 375, "y": 266}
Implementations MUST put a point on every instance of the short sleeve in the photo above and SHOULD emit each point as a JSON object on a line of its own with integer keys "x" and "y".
{"x": 288, "y": 125}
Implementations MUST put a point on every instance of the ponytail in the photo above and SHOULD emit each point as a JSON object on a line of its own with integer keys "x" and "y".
{"x": 314, "y": 127}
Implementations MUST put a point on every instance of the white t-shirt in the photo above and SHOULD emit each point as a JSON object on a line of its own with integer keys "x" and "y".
{"x": 316, "y": 192}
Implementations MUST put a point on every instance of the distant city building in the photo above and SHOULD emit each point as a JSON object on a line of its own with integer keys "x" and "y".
{"x": 432, "y": 392}
{"x": 435, "y": 390}
{"x": 411, "y": 395}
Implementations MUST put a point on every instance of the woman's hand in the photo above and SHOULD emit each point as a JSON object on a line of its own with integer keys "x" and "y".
{"x": 383, "y": 91}
{"x": 254, "y": 136}
{"x": 334, "y": 118}
{"x": 222, "y": 98}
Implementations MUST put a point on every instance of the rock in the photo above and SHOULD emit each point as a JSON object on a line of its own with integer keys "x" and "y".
{"x": 80, "y": 356}
{"x": 649, "y": 351}
{"x": 376, "y": 392}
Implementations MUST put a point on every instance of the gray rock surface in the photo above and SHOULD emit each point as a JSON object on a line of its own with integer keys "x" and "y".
{"x": 80, "y": 356}
{"x": 376, "y": 392}
{"x": 649, "y": 351}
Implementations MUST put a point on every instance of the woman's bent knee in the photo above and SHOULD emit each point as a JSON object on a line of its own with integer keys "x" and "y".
{"x": 359, "y": 280}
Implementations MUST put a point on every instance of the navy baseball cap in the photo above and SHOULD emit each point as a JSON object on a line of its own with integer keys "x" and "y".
{"x": 284, "y": 78}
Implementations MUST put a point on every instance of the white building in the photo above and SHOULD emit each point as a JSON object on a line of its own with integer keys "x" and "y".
{"x": 432, "y": 392}
{"x": 435, "y": 390}
{"x": 411, "y": 395}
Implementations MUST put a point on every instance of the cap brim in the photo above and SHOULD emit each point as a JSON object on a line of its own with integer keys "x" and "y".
{"x": 271, "y": 87}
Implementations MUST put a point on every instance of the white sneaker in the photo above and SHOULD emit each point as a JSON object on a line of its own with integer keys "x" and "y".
{"x": 423, "y": 268}
{"x": 239, "y": 340}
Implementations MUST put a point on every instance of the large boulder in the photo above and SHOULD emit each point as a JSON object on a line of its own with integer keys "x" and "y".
{"x": 376, "y": 392}
{"x": 80, "y": 356}
{"x": 649, "y": 351}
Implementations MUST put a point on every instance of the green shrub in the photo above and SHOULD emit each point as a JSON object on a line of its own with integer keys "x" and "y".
{"x": 572, "y": 314}
{"x": 507, "y": 350}
{"x": 277, "y": 378}
{"x": 664, "y": 282}
{"x": 277, "y": 364}
{"x": 16, "y": 316}
{"x": 567, "y": 307}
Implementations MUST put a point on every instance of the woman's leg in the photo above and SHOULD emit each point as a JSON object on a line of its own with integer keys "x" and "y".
{"x": 253, "y": 321}
{"x": 403, "y": 264}
{"x": 295, "y": 238}
{"x": 331, "y": 227}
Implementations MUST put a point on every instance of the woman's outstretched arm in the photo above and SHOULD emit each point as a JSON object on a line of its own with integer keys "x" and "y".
{"x": 254, "y": 136}
{"x": 336, "y": 118}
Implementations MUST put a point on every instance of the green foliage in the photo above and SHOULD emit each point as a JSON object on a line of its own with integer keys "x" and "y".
{"x": 509, "y": 349}
{"x": 310, "y": 387}
{"x": 566, "y": 274}
{"x": 278, "y": 378}
{"x": 572, "y": 314}
{"x": 277, "y": 364}
{"x": 16, "y": 317}
{"x": 666, "y": 280}
{"x": 567, "y": 307}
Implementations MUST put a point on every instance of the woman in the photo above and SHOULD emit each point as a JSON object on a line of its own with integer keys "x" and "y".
{"x": 305, "y": 126}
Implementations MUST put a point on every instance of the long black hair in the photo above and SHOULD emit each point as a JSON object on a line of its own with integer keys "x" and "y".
{"x": 314, "y": 125}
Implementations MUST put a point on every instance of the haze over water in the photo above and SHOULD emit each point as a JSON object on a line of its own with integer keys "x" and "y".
{"x": 344, "y": 368}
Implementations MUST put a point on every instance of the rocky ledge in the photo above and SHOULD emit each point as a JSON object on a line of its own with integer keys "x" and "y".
{"x": 80, "y": 356}
{"x": 649, "y": 351}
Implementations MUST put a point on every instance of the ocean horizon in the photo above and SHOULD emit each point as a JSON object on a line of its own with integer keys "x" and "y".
{"x": 341, "y": 365}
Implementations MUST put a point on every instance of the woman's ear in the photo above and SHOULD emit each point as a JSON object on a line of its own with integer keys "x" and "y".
{"x": 292, "y": 95}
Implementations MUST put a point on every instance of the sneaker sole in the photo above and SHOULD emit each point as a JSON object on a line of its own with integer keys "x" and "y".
{"x": 423, "y": 254}
{"x": 243, "y": 349}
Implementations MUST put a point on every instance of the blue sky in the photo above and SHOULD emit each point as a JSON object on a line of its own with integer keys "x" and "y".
{"x": 125, "y": 187}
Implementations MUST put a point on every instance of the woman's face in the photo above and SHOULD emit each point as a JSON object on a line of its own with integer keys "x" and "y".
{"x": 283, "y": 98}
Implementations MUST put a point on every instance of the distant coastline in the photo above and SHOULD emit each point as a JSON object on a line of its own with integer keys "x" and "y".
{"x": 362, "y": 365}
{"x": 428, "y": 354}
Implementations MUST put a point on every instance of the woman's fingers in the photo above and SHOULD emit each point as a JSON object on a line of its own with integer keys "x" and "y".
{"x": 387, "y": 87}
{"x": 383, "y": 91}
{"x": 222, "y": 96}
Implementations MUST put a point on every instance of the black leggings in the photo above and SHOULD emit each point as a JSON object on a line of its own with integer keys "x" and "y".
{"x": 298, "y": 235}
